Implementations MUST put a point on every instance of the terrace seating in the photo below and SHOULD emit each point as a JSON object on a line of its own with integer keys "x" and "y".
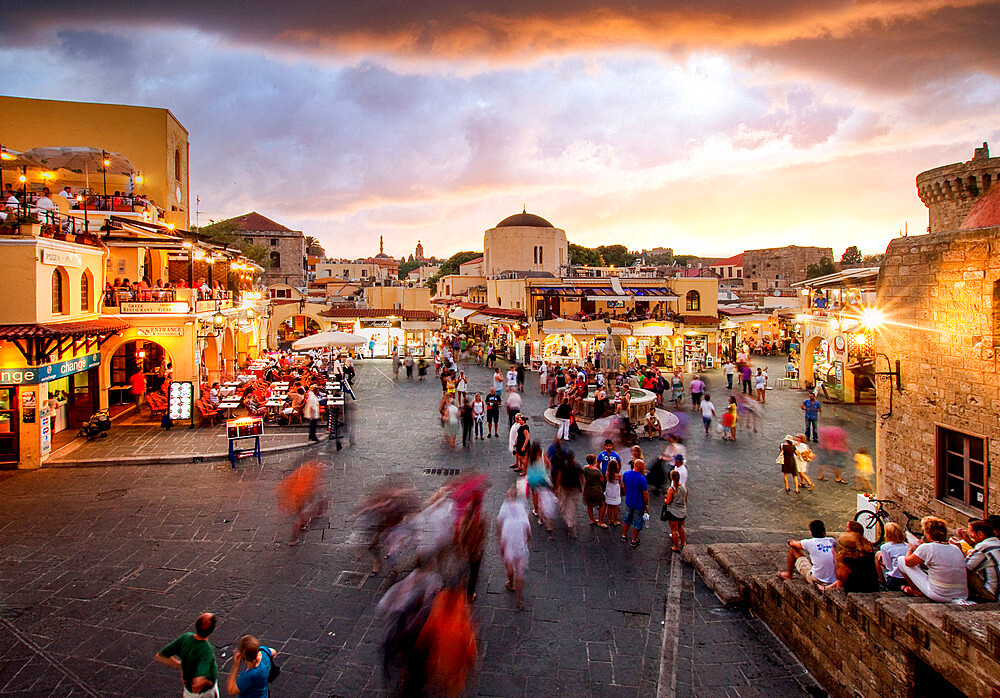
{"x": 208, "y": 413}
{"x": 157, "y": 403}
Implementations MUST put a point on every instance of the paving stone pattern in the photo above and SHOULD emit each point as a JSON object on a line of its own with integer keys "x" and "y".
{"x": 101, "y": 566}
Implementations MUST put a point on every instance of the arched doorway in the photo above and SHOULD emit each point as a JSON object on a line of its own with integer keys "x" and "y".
{"x": 807, "y": 367}
{"x": 296, "y": 327}
{"x": 130, "y": 358}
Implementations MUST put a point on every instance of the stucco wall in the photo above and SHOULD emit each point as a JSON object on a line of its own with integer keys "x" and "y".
{"x": 513, "y": 248}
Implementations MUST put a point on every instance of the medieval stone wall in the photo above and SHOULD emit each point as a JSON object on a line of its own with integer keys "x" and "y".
{"x": 949, "y": 192}
{"x": 938, "y": 293}
{"x": 779, "y": 267}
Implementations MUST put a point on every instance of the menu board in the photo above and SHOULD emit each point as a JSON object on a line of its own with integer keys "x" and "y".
{"x": 244, "y": 426}
{"x": 181, "y": 400}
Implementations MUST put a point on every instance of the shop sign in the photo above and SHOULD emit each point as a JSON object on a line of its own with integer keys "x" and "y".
{"x": 159, "y": 331}
{"x": 60, "y": 258}
{"x": 174, "y": 307}
{"x": 28, "y": 400}
{"x": 45, "y": 430}
{"x": 838, "y": 370}
{"x": 374, "y": 324}
{"x": 180, "y": 400}
{"x": 208, "y": 306}
{"x": 32, "y": 375}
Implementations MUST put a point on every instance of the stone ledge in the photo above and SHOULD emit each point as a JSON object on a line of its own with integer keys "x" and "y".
{"x": 171, "y": 460}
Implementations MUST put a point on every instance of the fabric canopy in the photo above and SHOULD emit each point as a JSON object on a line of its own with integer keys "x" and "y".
{"x": 323, "y": 340}
{"x": 461, "y": 313}
{"x": 478, "y": 319}
{"x": 653, "y": 331}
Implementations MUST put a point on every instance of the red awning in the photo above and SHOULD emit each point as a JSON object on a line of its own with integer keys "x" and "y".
{"x": 56, "y": 330}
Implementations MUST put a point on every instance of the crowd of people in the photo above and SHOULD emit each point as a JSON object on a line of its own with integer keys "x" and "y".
{"x": 122, "y": 291}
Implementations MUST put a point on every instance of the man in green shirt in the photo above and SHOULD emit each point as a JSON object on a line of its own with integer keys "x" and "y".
{"x": 194, "y": 655}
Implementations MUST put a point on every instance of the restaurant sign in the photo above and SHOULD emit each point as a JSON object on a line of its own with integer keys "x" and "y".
{"x": 171, "y": 307}
{"x": 60, "y": 258}
{"x": 159, "y": 331}
{"x": 379, "y": 323}
{"x": 32, "y": 375}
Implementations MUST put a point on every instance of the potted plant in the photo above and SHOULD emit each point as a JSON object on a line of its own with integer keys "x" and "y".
{"x": 49, "y": 230}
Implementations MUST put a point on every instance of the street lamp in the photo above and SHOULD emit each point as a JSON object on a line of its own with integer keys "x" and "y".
{"x": 83, "y": 199}
{"x": 104, "y": 173}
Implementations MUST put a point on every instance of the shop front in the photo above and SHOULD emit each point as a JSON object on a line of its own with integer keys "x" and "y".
{"x": 418, "y": 335}
{"x": 651, "y": 342}
{"x": 294, "y": 328}
{"x": 387, "y": 334}
{"x": 839, "y": 358}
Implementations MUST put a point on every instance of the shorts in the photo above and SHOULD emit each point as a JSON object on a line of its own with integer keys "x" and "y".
{"x": 696, "y": 398}
{"x": 671, "y": 517}
{"x": 707, "y": 421}
{"x": 492, "y": 416}
{"x": 804, "y": 566}
{"x": 634, "y": 517}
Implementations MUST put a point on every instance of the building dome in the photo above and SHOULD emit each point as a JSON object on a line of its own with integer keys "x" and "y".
{"x": 524, "y": 220}
{"x": 986, "y": 212}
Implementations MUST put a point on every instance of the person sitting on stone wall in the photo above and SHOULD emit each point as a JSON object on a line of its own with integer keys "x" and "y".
{"x": 812, "y": 557}
{"x": 855, "y": 560}
{"x": 983, "y": 562}
{"x": 945, "y": 576}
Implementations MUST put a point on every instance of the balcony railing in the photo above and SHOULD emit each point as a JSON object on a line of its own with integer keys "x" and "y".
{"x": 180, "y": 301}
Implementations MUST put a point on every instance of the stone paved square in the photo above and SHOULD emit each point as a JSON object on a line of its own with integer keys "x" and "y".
{"x": 91, "y": 585}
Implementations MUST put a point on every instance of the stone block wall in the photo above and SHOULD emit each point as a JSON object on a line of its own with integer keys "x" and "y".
{"x": 949, "y": 192}
{"x": 790, "y": 263}
{"x": 938, "y": 293}
{"x": 883, "y": 644}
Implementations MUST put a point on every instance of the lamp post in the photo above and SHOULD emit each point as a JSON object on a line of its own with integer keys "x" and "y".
{"x": 104, "y": 174}
{"x": 24, "y": 190}
{"x": 83, "y": 199}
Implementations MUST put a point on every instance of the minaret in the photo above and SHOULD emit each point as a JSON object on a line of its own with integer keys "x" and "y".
{"x": 380, "y": 250}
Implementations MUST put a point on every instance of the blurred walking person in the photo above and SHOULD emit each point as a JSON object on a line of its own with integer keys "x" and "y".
{"x": 834, "y": 452}
{"x": 301, "y": 494}
{"x": 514, "y": 532}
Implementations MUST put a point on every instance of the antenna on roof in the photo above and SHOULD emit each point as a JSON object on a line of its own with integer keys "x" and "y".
{"x": 524, "y": 209}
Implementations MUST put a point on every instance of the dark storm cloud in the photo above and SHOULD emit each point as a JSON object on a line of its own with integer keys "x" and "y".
{"x": 890, "y": 44}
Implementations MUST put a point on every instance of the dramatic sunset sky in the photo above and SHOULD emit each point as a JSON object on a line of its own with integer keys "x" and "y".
{"x": 708, "y": 126}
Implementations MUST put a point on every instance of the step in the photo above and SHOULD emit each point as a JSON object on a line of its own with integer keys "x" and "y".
{"x": 713, "y": 575}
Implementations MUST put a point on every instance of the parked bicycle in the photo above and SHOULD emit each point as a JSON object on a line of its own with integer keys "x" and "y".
{"x": 874, "y": 521}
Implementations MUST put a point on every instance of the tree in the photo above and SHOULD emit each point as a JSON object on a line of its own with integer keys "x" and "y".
{"x": 682, "y": 260}
{"x": 821, "y": 268}
{"x": 314, "y": 248}
{"x": 578, "y": 254}
{"x": 851, "y": 256}
{"x": 873, "y": 260}
{"x": 451, "y": 266}
{"x": 616, "y": 255}
{"x": 406, "y": 267}
{"x": 227, "y": 233}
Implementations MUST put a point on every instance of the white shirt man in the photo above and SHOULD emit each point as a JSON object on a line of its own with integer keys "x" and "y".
{"x": 511, "y": 379}
{"x": 45, "y": 203}
{"x": 65, "y": 193}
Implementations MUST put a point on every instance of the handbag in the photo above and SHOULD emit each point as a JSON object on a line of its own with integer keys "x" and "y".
{"x": 663, "y": 513}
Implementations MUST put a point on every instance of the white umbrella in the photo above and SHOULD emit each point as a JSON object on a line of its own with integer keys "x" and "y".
{"x": 322, "y": 340}
{"x": 81, "y": 160}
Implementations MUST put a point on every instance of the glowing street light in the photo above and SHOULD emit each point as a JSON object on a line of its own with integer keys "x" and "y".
{"x": 872, "y": 318}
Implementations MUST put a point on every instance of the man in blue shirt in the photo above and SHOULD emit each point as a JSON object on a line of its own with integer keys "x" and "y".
{"x": 636, "y": 500}
{"x": 812, "y": 408}
{"x": 607, "y": 455}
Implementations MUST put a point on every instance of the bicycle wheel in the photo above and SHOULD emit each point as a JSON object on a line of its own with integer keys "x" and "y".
{"x": 874, "y": 528}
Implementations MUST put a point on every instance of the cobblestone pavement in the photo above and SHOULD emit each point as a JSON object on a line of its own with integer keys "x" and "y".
{"x": 101, "y": 566}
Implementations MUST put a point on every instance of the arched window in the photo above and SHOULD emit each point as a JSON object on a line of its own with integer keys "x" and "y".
{"x": 540, "y": 250}
{"x": 85, "y": 291}
{"x": 58, "y": 308}
{"x": 535, "y": 251}
{"x": 693, "y": 301}
{"x": 177, "y": 164}
{"x": 275, "y": 259}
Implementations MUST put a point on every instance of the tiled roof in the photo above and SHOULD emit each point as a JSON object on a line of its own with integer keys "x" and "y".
{"x": 700, "y": 320}
{"x": 471, "y": 306}
{"x": 380, "y": 313}
{"x": 62, "y": 329}
{"x": 738, "y": 311}
{"x": 503, "y": 312}
{"x": 472, "y": 261}
{"x": 255, "y": 221}
{"x": 734, "y": 261}
{"x": 986, "y": 212}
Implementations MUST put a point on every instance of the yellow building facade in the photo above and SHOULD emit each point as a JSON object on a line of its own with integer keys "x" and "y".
{"x": 152, "y": 139}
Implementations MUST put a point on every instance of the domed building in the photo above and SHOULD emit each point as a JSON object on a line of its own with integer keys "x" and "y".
{"x": 524, "y": 242}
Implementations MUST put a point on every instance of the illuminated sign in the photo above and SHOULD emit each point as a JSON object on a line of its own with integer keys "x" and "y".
{"x": 180, "y": 400}
{"x": 379, "y": 323}
{"x": 60, "y": 258}
{"x": 244, "y": 427}
{"x": 31, "y": 375}
{"x": 159, "y": 331}
{"x": 174, "y": 307}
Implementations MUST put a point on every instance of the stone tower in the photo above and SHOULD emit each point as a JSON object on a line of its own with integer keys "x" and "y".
{"x": 950, "y": 191}
{"x": 418, "y": 254}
